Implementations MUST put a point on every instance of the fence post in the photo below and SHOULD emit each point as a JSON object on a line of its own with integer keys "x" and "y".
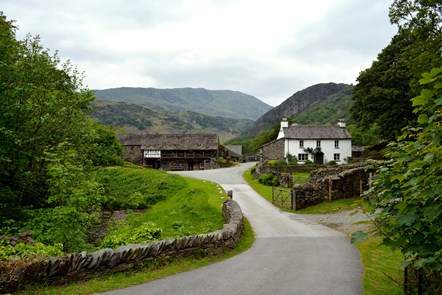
{"x": 293, "y": 200}
{"x": 330, "y": 185}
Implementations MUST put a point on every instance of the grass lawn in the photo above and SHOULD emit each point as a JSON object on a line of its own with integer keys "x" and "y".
{"x": 381, "y": 265}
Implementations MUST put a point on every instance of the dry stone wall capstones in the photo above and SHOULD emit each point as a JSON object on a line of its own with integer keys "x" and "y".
{"x": 16, "y": 272}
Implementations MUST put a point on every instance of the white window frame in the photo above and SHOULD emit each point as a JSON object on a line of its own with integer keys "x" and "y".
{"x": 301, "y": 143}
{"x": 336, "y": 144}
{"x": 318, "y": 143}
{"x": 302, "y": 157}
{"x": 337, "y": 157}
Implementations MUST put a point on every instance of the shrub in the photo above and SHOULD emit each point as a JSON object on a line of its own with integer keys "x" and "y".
{"x": 24, "y": 250}
{"x": 269, "y": 179}
{"x": 308, "y": 162}
{"x": 271, "y": 162}
{"x": 281, "y": 163}
{"x": 332, "y": 162}
{"x": 129, "y": 235}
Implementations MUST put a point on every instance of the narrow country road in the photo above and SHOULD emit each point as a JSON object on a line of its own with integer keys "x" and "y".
{"x": 290, "y": 255}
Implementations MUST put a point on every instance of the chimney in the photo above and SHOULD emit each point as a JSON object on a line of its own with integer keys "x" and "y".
{"x": 284, "y": 124}
{"x": 341, "y": 123}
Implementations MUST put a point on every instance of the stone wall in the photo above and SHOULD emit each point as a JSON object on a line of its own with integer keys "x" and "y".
{"x": 348, "y": 181}
{"x": 272, "y": 151}
{"x": 133, "y": 154}
{"x": 16, "y": 272}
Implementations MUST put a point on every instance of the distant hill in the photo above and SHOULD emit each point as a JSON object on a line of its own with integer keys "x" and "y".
{"x": 222, "y": 103}
{"x": 318, "y": 104}
{"x": 139, "y": 119}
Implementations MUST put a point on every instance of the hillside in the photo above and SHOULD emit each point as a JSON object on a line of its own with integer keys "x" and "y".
{"x": 318, "y": 104}
{"x": 138, "y": 119}
{"x": 222, "y": 103}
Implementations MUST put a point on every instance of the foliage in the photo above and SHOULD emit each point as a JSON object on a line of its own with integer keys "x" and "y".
{"x": 126, "y": 234}
{"x": 269, "y": 179}
{"x": 382, "y": 95}
{"x": 407, "y": 188}
{"x": 43, "y": 119}
{"x": 24, "y": 250}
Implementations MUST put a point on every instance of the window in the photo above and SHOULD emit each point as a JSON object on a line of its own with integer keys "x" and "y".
{"x": 337, "y": 157}
{"x": 336, "y": 144}
{"x": 302, "y": 157}
{"x": 301, "y": 143}
{"x": 318, "y": 143}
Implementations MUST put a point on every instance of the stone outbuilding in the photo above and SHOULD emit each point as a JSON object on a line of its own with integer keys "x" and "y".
{"x": 171, "y": 151}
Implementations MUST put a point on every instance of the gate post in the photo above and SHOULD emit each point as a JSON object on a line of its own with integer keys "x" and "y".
{"x": 293, "y": 200}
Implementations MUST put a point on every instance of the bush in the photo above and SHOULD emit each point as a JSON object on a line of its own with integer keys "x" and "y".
{"x": 269, "y": 179}
{"x": 271, "y": 162}
{"x": 332, "y": 162}
{"x": 281, "y": 163}
{"x": 308, "y": 162}
{"x": 129, "y": 235}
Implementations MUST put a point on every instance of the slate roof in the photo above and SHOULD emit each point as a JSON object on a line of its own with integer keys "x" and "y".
{"x": 316, "y": 132}
{"x": 172, "y": 141}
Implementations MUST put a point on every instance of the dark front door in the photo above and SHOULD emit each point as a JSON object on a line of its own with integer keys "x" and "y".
{"x": 319, "y": 158}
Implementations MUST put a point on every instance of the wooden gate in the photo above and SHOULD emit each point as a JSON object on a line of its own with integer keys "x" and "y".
{"x": 284, "y": 198}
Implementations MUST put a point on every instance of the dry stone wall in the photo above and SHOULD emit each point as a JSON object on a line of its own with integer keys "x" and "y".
{"x": 16, "y": 273}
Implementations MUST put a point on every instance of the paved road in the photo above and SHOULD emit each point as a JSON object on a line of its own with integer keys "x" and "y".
{"x": 290, "y": 255}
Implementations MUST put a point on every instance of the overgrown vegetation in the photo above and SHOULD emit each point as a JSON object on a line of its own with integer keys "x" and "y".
{"x": 407, "y": 188}
{"x": 48, "y": 144}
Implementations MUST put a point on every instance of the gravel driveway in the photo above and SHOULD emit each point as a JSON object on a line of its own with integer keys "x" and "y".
{"x": 346, "y": 221}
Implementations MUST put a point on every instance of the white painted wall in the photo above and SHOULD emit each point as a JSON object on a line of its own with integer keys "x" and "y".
{"x": 291, "y": 146}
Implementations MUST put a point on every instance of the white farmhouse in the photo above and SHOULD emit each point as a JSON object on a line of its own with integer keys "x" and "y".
{"x": 319, "y": 144}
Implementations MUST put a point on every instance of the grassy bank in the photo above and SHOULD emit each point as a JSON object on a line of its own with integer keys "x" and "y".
{"x": 176, "y": 205}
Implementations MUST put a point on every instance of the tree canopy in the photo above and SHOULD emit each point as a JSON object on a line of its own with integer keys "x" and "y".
{"x": 44, "y": 126}
{"x": 383, "y": 93}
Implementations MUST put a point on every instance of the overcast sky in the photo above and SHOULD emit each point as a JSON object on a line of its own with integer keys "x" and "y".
{"x": 266, "y": 48}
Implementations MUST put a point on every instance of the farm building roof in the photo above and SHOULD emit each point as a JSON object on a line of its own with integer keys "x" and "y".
{"x": 172, "y": 141}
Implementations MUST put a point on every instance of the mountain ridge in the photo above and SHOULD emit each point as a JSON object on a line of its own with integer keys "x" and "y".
{"x": 224, "y": 103}
{"x": 296, "y": 104}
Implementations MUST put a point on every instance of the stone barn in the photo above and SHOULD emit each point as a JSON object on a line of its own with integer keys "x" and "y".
{"x": 171, "y": 152}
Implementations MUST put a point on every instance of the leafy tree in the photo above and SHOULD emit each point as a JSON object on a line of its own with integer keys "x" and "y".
{"x": 408, "y": 187}
{"x": 382, "y": 95}
{"x": 45, "y": 128}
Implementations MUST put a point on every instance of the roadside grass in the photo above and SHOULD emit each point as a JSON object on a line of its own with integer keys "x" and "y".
{"x": 382, "y": 271}
{"x": 146, "y": 272}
